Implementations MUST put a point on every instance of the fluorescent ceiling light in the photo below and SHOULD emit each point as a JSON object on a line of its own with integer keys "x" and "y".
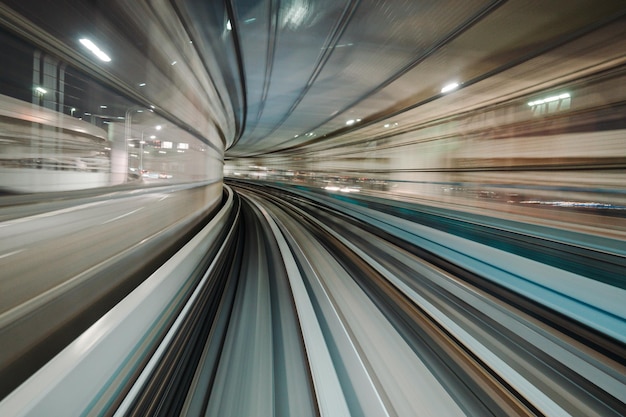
{"x": 95, "y": 50}
{"x": 449, "y": 87}
{"x": 41, "y": 90}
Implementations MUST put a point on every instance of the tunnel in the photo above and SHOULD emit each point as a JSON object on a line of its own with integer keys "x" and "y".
{"x": 325, "y": 208}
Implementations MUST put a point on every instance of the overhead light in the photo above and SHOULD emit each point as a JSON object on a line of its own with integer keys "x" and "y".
{"x": 449, "y": 87}
{"x": 152, "y": 106}
{"x": 158, "y": 127}
{"x": 41, "y": 90}
{"x": 252, "y": 19}
{"x": 549, "y": 99}
{"x": 152, "y": 137}
{"x": 94, "y": 49}
{"x": 350, "y": 122}
{"x": 173, "y": 62}
{"x": 142, "y": 84}
{"x": 103, "y": 107}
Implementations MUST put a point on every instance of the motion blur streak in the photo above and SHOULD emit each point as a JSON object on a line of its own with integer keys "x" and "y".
{"x": 312, "y": 208}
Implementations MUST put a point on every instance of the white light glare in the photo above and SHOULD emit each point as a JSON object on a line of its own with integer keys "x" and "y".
{"x": 449, "y": 87}
{"x": 95, "y": 50}
{"x": 173, "y": 62}
{"x": 41, "y": 90}
{"x": 158, "y": 127}
{"x": 549, "y": 99}
{"x": 350, "y": 122}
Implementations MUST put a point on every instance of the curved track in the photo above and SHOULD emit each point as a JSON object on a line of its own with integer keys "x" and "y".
{"x": 330, "y": 316}
{"x": 308, "y": 310}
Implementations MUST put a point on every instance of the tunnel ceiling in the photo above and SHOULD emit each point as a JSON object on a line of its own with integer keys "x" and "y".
{"x": 289, "y": 76}
{"x": 312, "y": 70}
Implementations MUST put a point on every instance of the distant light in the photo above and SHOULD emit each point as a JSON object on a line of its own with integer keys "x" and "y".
{"x": 350, "y": 122}
{"x": 549, "y": 99}
{"x": 162, "y": 152}
{"x": 387, "y": 125}
{"x": 158, "y": 127}
{"x": 142, "y": 84}
{"x": 103, "y": 107}
{"x": 95, "y": 50}
{"x": 142, "y": 142}
{"x": 87, "y": 114}
{"x": 252, "y": 19}
{"x": 139, "y": 111}
{"x": 229, "y": 26}
{"x": 296, "y": 136}
{"x": 449, "y": 87}
{"x": 173, "y": 62}
{"x": 41, "y": 90}
{"x": 73, "y": 108}
{"x": 152, "y": 106}
{"x": 120, "y": 117}
{"x": 152, "y": 137}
